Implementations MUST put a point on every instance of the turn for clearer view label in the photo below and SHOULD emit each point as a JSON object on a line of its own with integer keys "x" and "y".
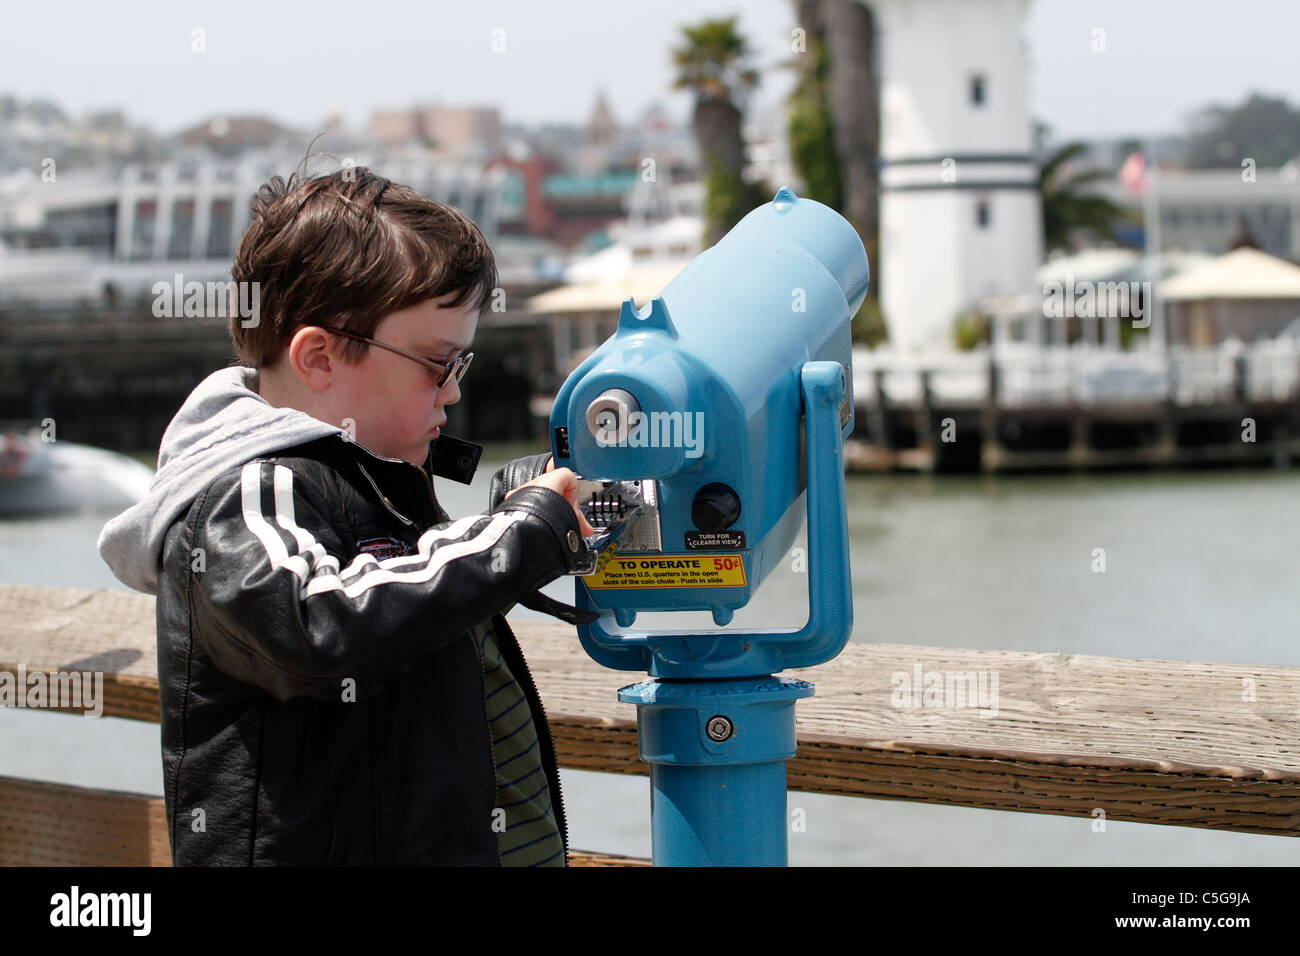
{"x": 669, "y": 571}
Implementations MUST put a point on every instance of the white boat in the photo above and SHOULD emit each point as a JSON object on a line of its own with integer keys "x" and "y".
{"x": 40, "y": 477}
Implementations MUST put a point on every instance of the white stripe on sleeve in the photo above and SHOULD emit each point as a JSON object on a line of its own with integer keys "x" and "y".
{"x": 318, "y": 571}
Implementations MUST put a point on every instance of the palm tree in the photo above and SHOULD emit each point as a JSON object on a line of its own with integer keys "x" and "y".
{"x": 851, "y": 95}
{"x": 833, "y": 128}
{"x": 1067, "y": 207}
{"x": 714, "y": 62}
{"x": 809, "y": 127}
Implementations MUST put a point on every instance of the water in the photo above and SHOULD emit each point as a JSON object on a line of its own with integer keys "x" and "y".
{"x": 1198, "y": 566}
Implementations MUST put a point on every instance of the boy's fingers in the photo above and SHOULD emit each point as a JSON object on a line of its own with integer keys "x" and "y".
{"x": 563, "y": 481}
{"x": 568, "y": 486}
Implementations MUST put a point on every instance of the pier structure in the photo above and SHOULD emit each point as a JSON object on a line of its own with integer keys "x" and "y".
{"x": 1010, "y": 410}
{"x": 113, "y": 377}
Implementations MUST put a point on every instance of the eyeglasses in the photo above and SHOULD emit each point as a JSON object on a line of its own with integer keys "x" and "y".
{"x": 457, "y": 367}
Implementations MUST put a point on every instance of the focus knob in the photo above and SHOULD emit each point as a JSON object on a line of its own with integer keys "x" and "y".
{"x": 716, "y": 507}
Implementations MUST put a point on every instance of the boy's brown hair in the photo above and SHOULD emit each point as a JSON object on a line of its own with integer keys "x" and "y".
{"x": 346, "y": 249}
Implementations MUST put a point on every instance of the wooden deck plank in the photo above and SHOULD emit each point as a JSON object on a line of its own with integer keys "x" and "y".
{"x": 53, "y": 824}
{"x": 1175, "y": 742}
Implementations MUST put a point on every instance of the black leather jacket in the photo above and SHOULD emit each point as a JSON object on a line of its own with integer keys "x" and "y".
{"x": 321, "y": 699}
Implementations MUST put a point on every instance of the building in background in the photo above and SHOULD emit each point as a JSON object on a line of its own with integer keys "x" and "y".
{"x": 960, "y": 216}
{"x": 663, "y": 232}
{"x": 1245, "y": 295}
{"x": 1215, "y": 210}
{"x": 461, "y": 132}
{"x": 103, "y": 234}
{"x": 580, "y": 203}
{"x": 232, "y": 136}
{"x": 767, "y": 149}
{"x": 577, "y": 194}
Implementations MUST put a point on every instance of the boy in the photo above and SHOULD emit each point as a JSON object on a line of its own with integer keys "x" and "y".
{"x": 338, "y": 685}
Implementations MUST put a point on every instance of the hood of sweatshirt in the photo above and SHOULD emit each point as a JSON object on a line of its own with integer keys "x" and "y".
{"x": 223, "y": 424}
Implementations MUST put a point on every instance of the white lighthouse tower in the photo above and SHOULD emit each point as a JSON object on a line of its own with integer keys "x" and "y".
{"x": 960, "y": 218}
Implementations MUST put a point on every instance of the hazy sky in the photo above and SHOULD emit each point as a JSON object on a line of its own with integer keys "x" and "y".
{"x": 297, "y": 61}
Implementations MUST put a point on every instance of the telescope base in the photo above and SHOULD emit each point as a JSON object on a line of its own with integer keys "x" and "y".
{"x": 717, "y": 753}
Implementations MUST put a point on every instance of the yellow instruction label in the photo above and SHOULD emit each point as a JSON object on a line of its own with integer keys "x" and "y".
{"x": 669, "y": 571}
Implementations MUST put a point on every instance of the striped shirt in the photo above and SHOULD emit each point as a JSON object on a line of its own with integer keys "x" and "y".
{"x": 527, "y": 834}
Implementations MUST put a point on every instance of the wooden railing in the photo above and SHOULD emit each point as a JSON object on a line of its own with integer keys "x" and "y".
{"x": 1209, "y": 745}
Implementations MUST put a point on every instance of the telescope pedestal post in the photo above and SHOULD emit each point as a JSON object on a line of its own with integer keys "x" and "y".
{"x": 717, "y": 753}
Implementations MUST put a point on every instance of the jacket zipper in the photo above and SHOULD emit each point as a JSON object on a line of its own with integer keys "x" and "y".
{"x": 384, "y": 498}
{"x": 424, "y": 475}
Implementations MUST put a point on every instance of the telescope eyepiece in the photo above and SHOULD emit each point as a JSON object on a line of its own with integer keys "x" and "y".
{"x": 609, "y": 415}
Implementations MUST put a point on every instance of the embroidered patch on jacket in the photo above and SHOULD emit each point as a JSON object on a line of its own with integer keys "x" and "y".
{"x": 382, "y": 548}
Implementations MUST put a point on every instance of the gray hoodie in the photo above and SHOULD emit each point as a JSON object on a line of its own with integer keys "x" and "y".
{"x": 223, "y": 424}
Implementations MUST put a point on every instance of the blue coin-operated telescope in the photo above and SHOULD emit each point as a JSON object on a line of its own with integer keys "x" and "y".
{"x": 706, "y": 429}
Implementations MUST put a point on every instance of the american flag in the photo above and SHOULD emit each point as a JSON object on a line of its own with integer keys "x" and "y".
{"x": 1133, "y": 174}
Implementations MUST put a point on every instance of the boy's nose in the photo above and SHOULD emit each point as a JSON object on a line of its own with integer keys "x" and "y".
{"x": 450, "y": 393}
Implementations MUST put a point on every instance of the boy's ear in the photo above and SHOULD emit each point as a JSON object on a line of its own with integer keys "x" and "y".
{"x": 313, "y": 356}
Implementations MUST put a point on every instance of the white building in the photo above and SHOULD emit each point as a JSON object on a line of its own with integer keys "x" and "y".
{"x": 1205, "y": 209}
{"x": 84, "y": 236}
{"x": 664, "y": 231}
{"x": 960, "y": 216}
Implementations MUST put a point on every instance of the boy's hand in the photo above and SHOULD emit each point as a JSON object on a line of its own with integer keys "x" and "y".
{"x": 563, "y": 482}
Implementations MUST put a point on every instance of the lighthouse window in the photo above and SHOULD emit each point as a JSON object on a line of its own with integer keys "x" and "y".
{"x": 977, "y": 90}
{"x": 982, "y": 213}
